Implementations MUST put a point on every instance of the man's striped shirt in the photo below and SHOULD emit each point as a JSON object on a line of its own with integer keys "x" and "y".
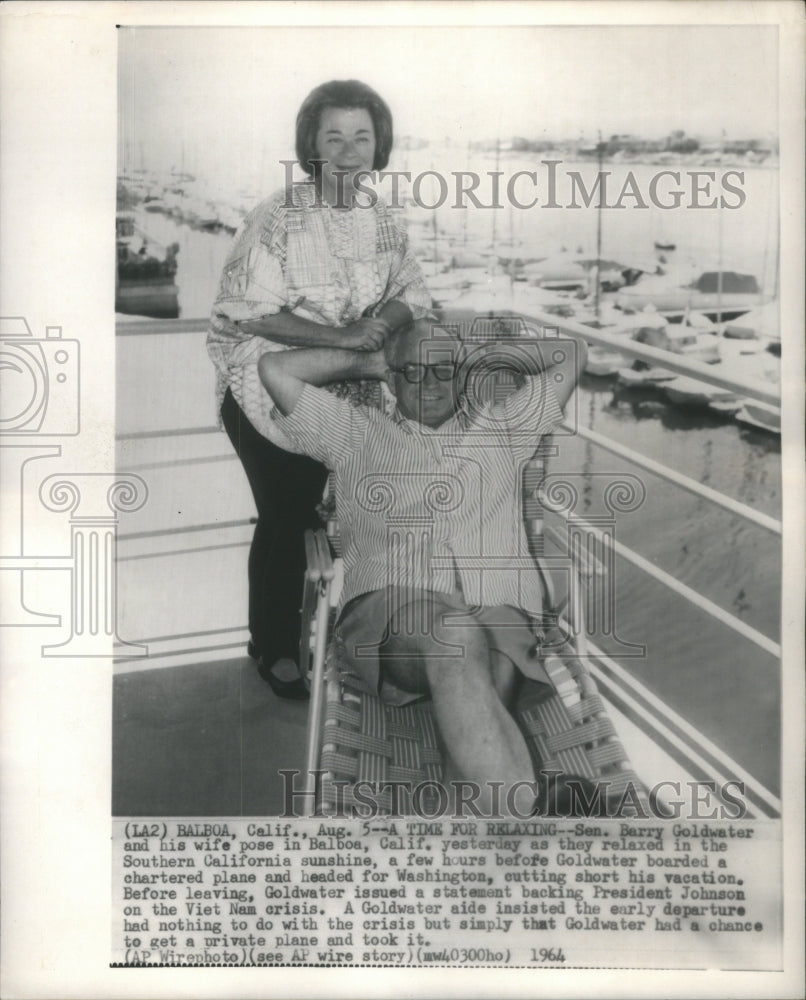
{"x": 434, "y": 509}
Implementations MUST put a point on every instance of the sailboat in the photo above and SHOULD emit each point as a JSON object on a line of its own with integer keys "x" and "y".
{"x": 144, "y": 284}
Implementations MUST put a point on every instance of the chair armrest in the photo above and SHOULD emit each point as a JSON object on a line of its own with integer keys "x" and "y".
{"x": 319, "y": 562}
{"x": 325, "y": 557}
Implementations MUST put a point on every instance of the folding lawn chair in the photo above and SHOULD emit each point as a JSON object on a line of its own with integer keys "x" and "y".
{"x": 354, "y": 738}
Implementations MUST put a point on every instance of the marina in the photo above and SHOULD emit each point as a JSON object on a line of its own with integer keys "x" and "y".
{"x": 633, "y": 288}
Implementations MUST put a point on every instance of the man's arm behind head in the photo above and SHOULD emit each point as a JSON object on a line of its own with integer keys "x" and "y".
{"x": 556, "y": 356}
{"x": 284, "y": 373}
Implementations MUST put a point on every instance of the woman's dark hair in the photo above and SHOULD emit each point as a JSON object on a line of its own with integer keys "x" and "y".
{"x": 343, "y": 94}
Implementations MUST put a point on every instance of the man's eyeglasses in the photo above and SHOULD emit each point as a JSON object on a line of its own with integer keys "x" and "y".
{"x": 415, "y": 373}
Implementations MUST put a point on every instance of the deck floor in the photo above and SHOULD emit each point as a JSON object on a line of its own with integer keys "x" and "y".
{"x": 202, "y": 740}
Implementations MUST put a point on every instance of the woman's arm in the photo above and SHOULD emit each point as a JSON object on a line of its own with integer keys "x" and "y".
{"x": 284, "y": 373}
{"x": 295, "y": 331}
{"x": 406, "y": 285}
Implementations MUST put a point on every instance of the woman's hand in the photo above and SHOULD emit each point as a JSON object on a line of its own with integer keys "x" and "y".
{"x": 365, "y": 335}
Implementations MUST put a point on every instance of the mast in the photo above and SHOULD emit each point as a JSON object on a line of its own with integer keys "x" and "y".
{"x": 776, "y": 288}
{"x": 465, "y": 207}
{"x": 719, "y": 272}
{"x": 719, "y": 259}
{"x": 599, "y": 158}
{"x": 435, "y": 227}
{"x": 495, "y": 210}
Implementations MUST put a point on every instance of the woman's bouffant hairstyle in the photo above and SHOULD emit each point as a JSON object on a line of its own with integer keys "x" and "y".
{"x": 343, "y": 94}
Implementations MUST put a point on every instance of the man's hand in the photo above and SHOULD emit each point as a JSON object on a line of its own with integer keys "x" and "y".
{"x": 562, "y": 359}
{"x": 365, "y": 335}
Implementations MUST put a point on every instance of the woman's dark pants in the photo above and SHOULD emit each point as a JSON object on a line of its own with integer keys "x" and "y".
{"x": 286, "y": 488}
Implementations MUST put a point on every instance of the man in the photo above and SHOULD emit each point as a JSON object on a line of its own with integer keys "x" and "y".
{"x": 439, "y": 595}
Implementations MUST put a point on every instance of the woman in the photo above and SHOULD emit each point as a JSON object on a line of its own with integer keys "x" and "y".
{"x": 312, "y": 266}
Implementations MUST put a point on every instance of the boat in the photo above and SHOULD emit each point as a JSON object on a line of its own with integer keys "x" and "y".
{"x": 560, "y": 273}
{"x": 762, "y": 323}
{"x": 680, "y": 339}
{"x": 760, "y": 415}
{"x": 750, "y": 358}
{"x": 231, "y": 218}
{"x": 684, "y": 339}
{"x": 644, "y": 376}
{"x": 726, "y": 407}
{"x": 465, "y": 258}
{"x": 447, "y": 286}
{"x": 572, "y": 271}
{"x": 499, "y": 292}
{"x": 520, "y": 259}
{"x": 741, "y": 359}
{"x": 154, "y": 204}
{"x": 201, "y": 214}
{"x": 695, "y": 337}
{"x": 686, "y": 391}
{"x": 144, "y": 284}
{"x": 718, "y": 294}
{"x": 604, "y": 361}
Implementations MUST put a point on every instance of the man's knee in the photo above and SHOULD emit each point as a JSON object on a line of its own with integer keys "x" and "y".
{"x": 431, "y": 627}
{"x": 414, "y": 617}
{"x": 406, "y": 673}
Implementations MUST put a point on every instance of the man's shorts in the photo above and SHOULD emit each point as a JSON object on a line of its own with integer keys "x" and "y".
{"x": 366, "y": 621}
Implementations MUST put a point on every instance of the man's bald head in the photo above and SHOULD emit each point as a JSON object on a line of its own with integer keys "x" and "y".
{"x": 404, "y": 344}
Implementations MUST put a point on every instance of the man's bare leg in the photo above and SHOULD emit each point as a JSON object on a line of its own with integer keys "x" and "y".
{"x": 482, "y": 738}
{"x": 504, "y": 677}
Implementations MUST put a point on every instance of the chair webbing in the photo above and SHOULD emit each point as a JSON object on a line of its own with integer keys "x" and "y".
{"x": 367, "y": 741}
{"x": 580, "y": 739}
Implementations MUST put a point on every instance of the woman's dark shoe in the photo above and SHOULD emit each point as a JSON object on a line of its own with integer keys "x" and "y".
{"x": 295, "y": 690}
